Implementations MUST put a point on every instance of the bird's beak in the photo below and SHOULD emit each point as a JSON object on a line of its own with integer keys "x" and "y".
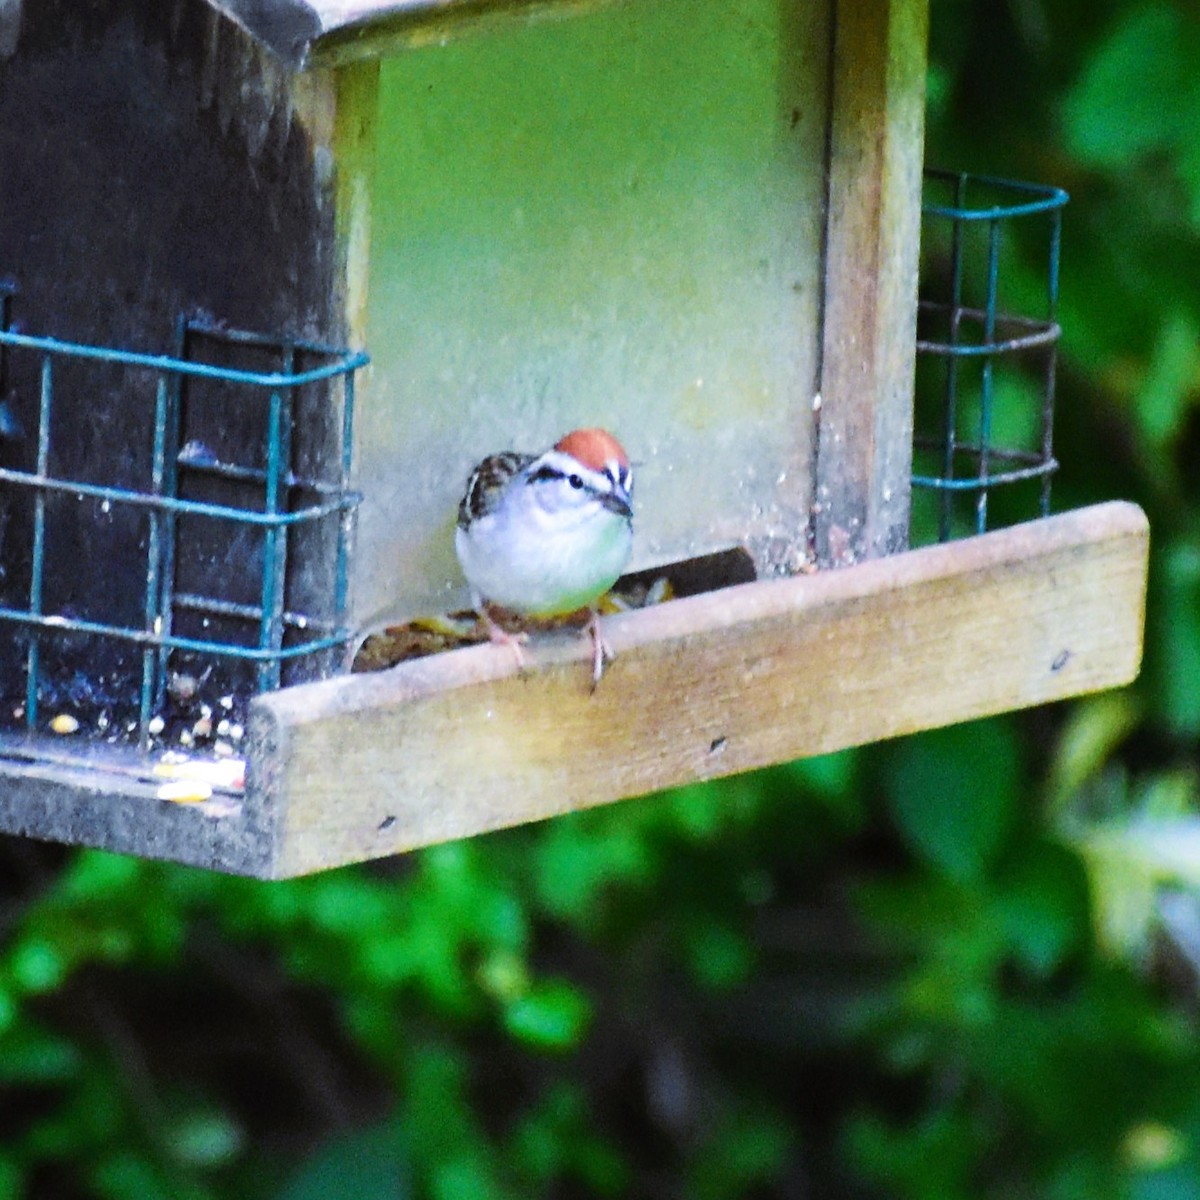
{"x": 618, "y": 501}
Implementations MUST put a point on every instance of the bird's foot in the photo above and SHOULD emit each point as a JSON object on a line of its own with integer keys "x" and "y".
{"x": 499, "y": 636}
{"x": 602, "y": 652}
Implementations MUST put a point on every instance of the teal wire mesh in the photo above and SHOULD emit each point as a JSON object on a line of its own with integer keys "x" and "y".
{"x": 238, "y": 528}
{"x": 987, "y": 341}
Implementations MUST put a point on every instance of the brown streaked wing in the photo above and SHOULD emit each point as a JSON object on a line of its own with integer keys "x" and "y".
{"x": 487, "y": 482}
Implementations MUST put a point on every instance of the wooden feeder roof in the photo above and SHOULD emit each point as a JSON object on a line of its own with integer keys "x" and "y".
{"x": 295, "y": 29}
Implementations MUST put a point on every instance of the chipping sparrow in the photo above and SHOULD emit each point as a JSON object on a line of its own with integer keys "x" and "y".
{"x": 546, "y": 535}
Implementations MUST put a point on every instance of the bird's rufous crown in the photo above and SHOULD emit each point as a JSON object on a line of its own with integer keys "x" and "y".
{"x": 594, "y": 448}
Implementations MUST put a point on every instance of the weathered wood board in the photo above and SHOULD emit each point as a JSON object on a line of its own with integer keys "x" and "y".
{"x": 873, "y": 236}
{"x": 451, "y": 746}
{"x": 461, "y": 743}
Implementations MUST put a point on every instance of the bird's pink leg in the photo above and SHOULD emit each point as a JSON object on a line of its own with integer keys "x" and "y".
{"x": 501, "y": 637}
{"x": 602, "y": 652}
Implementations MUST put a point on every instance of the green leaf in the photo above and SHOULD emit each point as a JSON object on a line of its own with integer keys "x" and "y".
{"x": 1131, "y": 860}
{"x": 1112, "y": 114}
{"x": 1139, "y": 95}
{"x": 1095, "y": 727}
{"x": 1043, "y": 905}
{"x": 97, "y": 875}
{"x": 929, "y": 1161}
{"x": 829, "y": 776}
{"x": 367, "y": 1164}
{"x": 130, "y": 1176}
{"x": 453, "y": 1157}
{"x": 551, "y": 1016}
{"x": 582, "y": 855}
{"x": 36, "y": 965}
{"x": 12, "y": 1179}
{"x": 555, "y": 1140}
{"x": 720, "y": 956}
{"x": 8, "y": 1010}
{"x": 1172, "y": 1183}
{"x": 464, "y": 1178}
{"x": 32, "y": 1055}
{"x": 746, "y": 1149}
{"x": 1150, "y": 1146}
{"x": 205, "y": 1139}
{"x": 344, "y": 904}
{"x": 953, "y": 794}
{"x": 1176, "y": 591}
{"x": 1166, "y": 394}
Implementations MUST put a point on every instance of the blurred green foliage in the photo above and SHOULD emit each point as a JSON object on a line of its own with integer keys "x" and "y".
{"x": 962, "y": 965}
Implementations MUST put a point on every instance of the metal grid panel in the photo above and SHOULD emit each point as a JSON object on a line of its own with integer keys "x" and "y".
{"x": 973, "y": 326}
{"x": 286, "y": 504}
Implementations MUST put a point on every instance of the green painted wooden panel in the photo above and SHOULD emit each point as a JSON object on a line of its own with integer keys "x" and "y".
{"x": 614, "y": 219}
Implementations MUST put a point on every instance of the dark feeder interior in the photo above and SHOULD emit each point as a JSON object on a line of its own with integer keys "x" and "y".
{"x": 148, "y": 599}
{"x": 175, "y": 519}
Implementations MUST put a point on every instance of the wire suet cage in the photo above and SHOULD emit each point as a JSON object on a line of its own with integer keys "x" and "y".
{"x": 237, "y": 525}
{"x": 986, "y": 352}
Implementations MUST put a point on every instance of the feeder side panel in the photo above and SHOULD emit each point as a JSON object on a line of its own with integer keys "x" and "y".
{"x": 155, "y": 162}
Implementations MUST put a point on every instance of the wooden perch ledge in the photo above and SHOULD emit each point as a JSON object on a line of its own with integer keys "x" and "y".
{"x": 457, "y": 744}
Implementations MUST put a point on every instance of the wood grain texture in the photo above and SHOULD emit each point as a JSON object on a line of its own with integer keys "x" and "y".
{"x": 355, "y": 139}
{"x": 459, "y": 744}
{"x": 864, "y": 456}
{"x": 114, "y": 805}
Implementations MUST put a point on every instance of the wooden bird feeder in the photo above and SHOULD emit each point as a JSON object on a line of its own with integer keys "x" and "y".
{"x": 693, "y": 222}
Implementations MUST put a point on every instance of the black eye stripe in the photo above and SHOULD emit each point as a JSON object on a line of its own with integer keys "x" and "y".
{"x": 548, "y": 474}
{"x": 617, "y": 476}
